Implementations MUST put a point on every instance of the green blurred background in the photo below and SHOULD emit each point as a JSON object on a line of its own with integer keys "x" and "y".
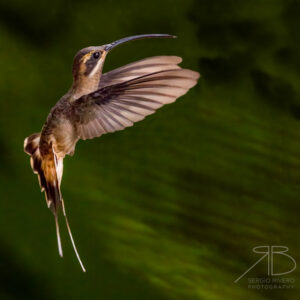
{"x": 172, "y": 207}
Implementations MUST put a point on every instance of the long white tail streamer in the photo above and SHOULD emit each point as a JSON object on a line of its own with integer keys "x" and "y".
{"x": 58, "y": 237}
{"x": 71, "y": 237}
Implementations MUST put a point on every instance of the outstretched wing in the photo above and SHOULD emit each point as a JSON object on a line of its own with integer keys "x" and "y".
{"x": 114, "y": 107}
{"x": 139, "y": 68}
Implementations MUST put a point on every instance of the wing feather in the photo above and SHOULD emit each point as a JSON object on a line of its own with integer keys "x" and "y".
{"x": 139, "y": 68}
{"x": 134, "y": 91}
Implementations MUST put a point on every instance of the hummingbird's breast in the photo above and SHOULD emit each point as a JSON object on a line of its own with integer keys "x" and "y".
{"x": 59, "y": 133}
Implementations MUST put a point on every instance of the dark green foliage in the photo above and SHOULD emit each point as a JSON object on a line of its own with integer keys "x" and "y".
{"x": 172, "y": 207}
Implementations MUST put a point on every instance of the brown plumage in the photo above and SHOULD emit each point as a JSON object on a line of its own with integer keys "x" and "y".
{"x": 97, "y": 104}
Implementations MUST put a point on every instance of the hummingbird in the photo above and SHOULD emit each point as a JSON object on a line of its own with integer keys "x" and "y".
{"x": 97, "y": 104}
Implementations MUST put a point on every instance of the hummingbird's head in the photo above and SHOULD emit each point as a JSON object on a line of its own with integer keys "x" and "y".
{"x": 88, "y": 63}
{"x": 87, "y": 69}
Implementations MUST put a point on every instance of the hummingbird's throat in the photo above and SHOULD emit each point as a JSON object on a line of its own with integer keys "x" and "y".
{"x": 86, "y": 84}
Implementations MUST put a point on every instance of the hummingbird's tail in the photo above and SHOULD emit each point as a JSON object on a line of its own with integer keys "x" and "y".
{"x": 49, "y": 170}
{"x": 71, "y": 237}
{"x": 45, "y": 168}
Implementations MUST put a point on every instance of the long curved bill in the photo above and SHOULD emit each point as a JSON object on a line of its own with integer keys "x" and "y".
{"x": 136, "y": 37}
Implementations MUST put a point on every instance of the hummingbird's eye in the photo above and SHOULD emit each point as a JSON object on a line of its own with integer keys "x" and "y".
{"x": 96, "y": 55}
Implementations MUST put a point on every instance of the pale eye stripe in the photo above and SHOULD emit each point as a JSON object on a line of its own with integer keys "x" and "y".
{"x": 96, "y": 67}
{"x": 86, "y": 57}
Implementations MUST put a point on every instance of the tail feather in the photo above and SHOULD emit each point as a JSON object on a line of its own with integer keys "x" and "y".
{"x": 49, "y": 171}
{"x": 31, "y": 147}
{"x": 71, "y": 237}
{"x": 46, "y": 171}
{"x": 52, "y": 188}
{"x": 45, "y": 168}
{"x": 58, "y": 236}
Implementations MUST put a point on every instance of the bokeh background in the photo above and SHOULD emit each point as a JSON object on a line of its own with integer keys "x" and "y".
{"x": 172, "y": 207}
